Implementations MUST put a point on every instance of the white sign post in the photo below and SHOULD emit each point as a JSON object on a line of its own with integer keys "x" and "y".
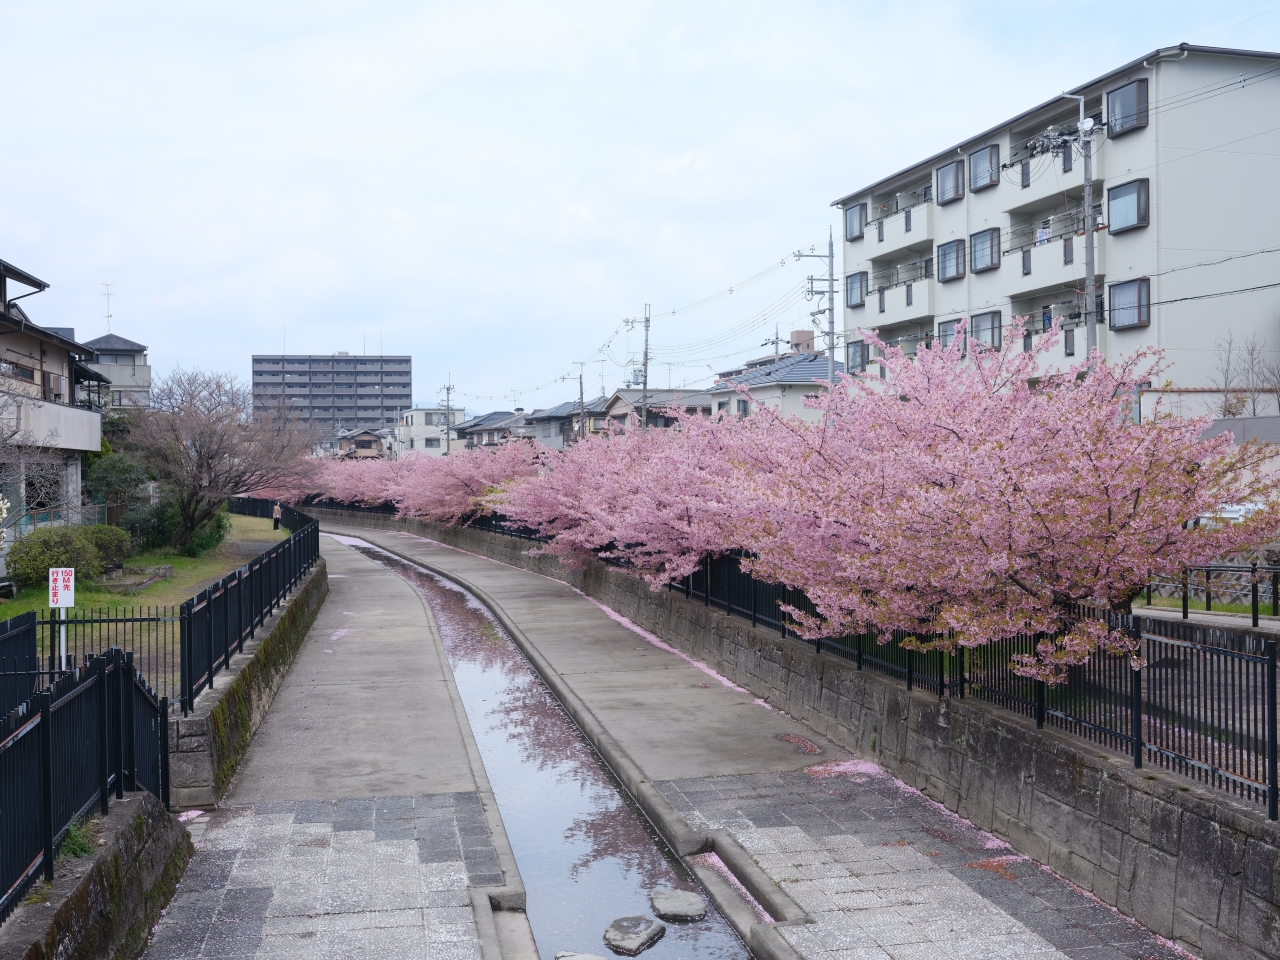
{"x": 62, "y": 594}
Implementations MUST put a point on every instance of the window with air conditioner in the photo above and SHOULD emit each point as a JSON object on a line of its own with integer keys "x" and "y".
{"x": 1127, "y": 108}
{"x": 855, "y": 289}
{"x": 984, "y": 250}
{"x": 984, "y": 168}
{"x": 1128, "y": 206}
{"x": 1130, "y": 304}
{"x": 986, "y": 330}
{"x": 951, "y": 182}
{"x": 951, "y": 260}
{"x": 855, "y": 221}
{"x": 947, "y": 332}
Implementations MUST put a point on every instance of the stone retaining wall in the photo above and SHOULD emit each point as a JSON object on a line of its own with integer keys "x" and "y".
{"x": 103, "y": 907}
{"x": 1188, "y": 862}
{"x": 207, "y": 745}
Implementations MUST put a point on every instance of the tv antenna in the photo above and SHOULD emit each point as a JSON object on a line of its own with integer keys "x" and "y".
{"x": 108, "y": 296}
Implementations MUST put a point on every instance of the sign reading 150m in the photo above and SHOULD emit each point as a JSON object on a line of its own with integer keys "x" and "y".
{"x": 62, "y": 587}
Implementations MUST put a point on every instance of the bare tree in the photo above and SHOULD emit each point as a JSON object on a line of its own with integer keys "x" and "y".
{"x": 1228, "y": 378}
{"x": 32, "y": 468}
{"x": 200, "y": 437}
{"x": 1253, "y": 374}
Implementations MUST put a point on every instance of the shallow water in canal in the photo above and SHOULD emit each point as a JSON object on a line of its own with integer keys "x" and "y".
{"x": 586, "y": 853}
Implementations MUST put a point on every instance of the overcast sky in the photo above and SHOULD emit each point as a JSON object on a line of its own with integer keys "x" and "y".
{"x": 492, "y": 188}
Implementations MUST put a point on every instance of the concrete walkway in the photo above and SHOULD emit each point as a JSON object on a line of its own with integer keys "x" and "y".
{"x": 880, "y": 872}
{"x": 361, "y": 823}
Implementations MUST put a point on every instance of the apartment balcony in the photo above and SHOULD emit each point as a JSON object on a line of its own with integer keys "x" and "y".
{"x": 897, "y": 239}
{"x": 1048, "y": 271}
{"x": 896, "y": 309}
{"x": 1047, "y": 183}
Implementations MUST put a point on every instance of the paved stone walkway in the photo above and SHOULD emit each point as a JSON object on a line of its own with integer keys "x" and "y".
{"x": 362, "y": 818}
{"x": 887, "y": 873}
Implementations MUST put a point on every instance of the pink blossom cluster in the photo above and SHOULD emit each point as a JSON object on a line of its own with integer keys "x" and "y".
{"x": 968, "y": 496}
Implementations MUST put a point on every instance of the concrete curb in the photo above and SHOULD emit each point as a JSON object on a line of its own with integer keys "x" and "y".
{"x": 762, "y": 939}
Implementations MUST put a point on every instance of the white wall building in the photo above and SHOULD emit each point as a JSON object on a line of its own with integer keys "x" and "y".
{"x": 422, "y": 430}
{"x": 1185, "y": 220}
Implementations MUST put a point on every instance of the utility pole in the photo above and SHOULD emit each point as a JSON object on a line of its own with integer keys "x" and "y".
{"x": 830, "y": 308}
{"x": 1085, "y": 132}
{"x": 776, "y": 341}
{"x": 644, "y": 393}
{"x": 582, "y": 402}
{"x": 448, "y": 414}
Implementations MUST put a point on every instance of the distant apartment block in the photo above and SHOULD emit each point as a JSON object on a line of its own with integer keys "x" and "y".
{"x": 334, "y": 391}
{"x": 423, "y": 430}
{"x": 1186, "y": 232}
{"x": 124, "y": 363}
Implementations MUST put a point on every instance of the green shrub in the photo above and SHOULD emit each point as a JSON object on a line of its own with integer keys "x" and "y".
{"x": 32, "y": 556}
{"x": 75, "y": 842}
{"x": 208, "y": 535}
{"x": 112, "y": 543}
{"x": 152, "y": 527}
{"x": 114, "y": 478}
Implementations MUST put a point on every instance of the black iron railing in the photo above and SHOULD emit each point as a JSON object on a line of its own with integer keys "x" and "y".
{"x": 1253, "y": 586}
{"x": 90, "y": 732}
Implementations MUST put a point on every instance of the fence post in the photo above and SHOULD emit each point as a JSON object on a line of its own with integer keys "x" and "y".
{"x": 688, "y": 586}
{"x": 46, "y": 779}
{"x": 184, "y": 653}
{"x": 960, "y": 653}
{"x": 860, "y": 639}
{"x": 117, "y": 657}
{"x": 104, "y": 755}
{"x": 751, "y": 581}
{"x": 1148, "y": 593}
{"x": 1135, "y": 705}
{"x": 1208, "y": 595}
{"x": 1186, "y": 593}
{"x": 1040, "y": 692}
{"x": 1253, "y": 585}
{"x": 1273, "y": 780}
{"x": 942, "y": 675}
{"x": 706, "y": 580}
{"x": 911, "y": 668}
{"x": 1275, "y": 594}
{"x": 164, "y": 751}
{"x": 129, "y": 723}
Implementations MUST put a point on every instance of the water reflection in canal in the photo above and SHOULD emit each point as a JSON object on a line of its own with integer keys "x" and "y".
{"x": 586, "y": 853}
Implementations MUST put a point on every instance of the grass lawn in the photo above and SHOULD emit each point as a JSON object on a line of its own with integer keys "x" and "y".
{"x": 249, "y": 537}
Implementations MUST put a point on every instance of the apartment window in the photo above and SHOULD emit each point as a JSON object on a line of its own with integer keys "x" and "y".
{"x": 855, "y": 221}
{"x": 1127, "y": 108}
{"x": 984, "y": 250}
{"x": 1068, "y": 250}
{"x": 1068, "y": 156}
{"x": 951, "y": 182}
{"x": 411, "y": 443}
{"x": 1026, "y": 173}
{"x": 1026, "y": 262}
{"x": 984, "y": 168}
{"x": 598, "y": 423}
{"x": 1026, "y": 341}
{"x": 857, "y": 356}
{"x": 743, "y": 407}
{"x": 910, "y": 300}
{"x": 722, "y": 405}
{"x": 947, "y": 332}
{"x": 431, "y": 442}
{"x": 1127, "y": 206}
{"x": 906, "y": 222}
{"x": 1069, "y": 342}
{"x": 855, "y": 289}
{"x": 986, "y": 329}
{"x": 1130, "y": 304}
{"x": 880, "y": 291}
{"x": 951, "y": 260}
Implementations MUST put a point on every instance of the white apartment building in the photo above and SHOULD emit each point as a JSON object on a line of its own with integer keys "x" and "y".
{"x": 422, "y": 430}
{"x": 1185, "y": 221}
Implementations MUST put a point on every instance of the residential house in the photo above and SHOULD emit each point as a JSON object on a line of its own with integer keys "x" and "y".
{"x": 485, "y": 430}
{"x": 801, "y": 342}
{"x": 426, "y": 430}
{"x": 994, "y": 228}
{"x": 558, "y": 427}
{"x": 783, "y": 385}
{"x": 626, "y": 403}
{"x": 124, "y": 364}
{"x": 364, "y": 444}
{"x": 45, "y": 431}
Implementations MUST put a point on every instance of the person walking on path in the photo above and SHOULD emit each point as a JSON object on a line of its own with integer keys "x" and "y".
{"x": 275, "y": 517}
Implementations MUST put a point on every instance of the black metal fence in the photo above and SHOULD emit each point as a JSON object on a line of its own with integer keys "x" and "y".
{"x": 1253, "y": 586}
{"x": 92, "y": 731}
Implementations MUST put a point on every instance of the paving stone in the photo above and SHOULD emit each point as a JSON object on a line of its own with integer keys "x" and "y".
{"x": 371, "y": 877}
{"x": 886, "y": 873}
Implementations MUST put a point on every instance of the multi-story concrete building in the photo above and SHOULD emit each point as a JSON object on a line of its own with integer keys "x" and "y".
{"x": 1185, "y": 225}
{"x": 425, "y": 430}
{"x": 124, "y": 363}
{"x": 334, "y": 391}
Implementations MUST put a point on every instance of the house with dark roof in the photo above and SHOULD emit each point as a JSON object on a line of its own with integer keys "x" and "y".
{"x": 559, "y": 426}
{"x": 628, "y": 402}
{"x": 782, "y": 385}
{"x": 124, "y": 363}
